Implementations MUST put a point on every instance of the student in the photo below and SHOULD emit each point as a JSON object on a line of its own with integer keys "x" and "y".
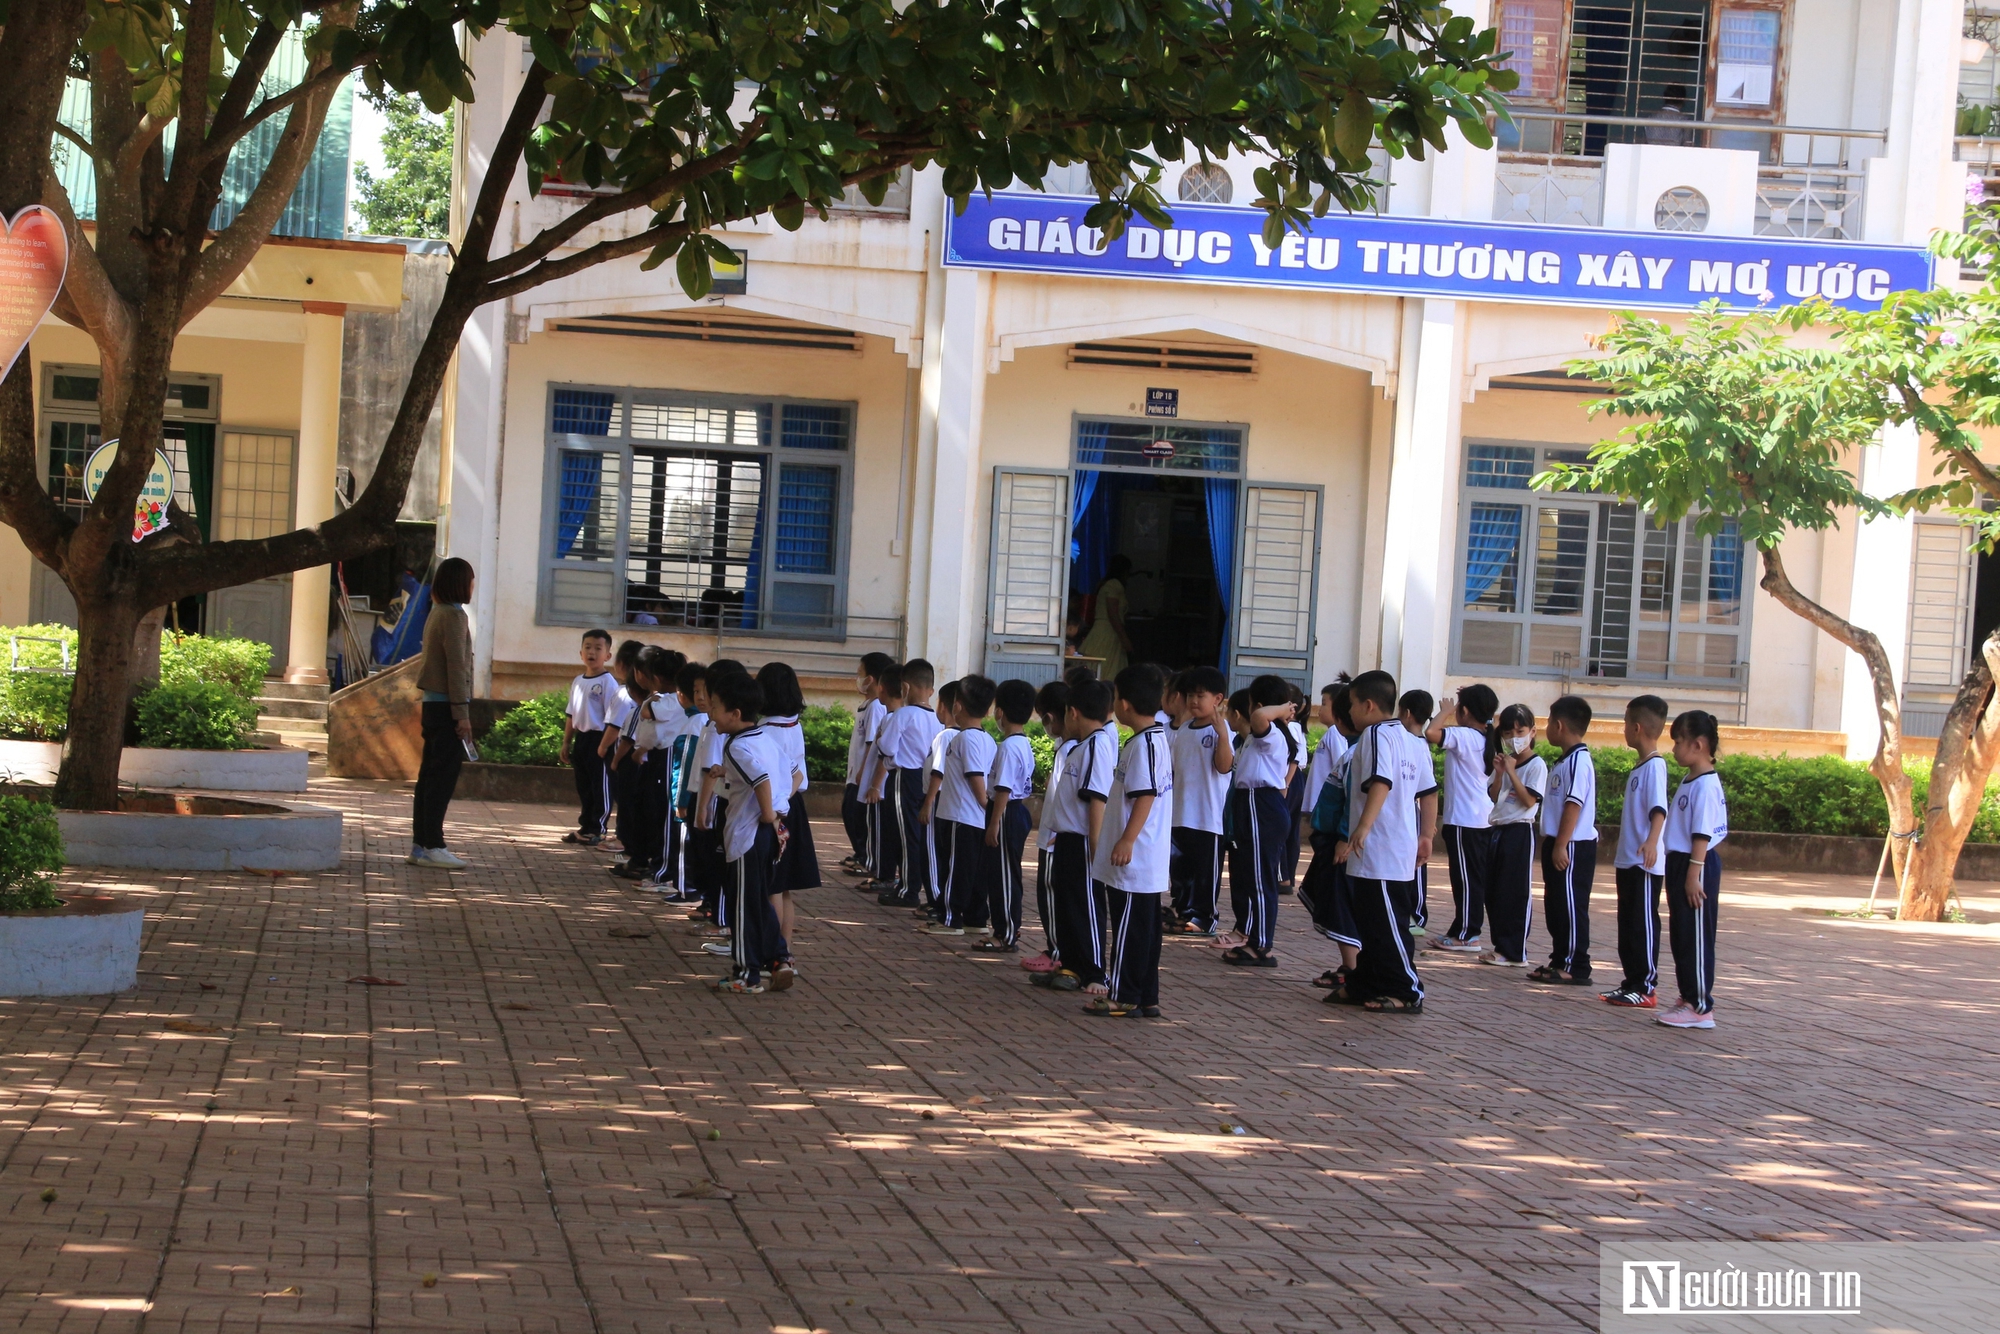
{"x": 1010, "y": 780}
{"x": 938, "y": 830}
{"x": 1414, "y": 711}
{"x": 620, "y": 763}
{"x": 878, "y": 794}
{"x": 784, "y": 704}
{"x": 1130, "y": 859}
{"x": 1641, "y": 864}
{"x": 1266, "y": 755}
{"x": 905, "y": 744}
{"x": 711, "y": 803}
{"x": 1295, "y": 789}
{"x": 1466, "y": 812}
{"x": 679, "y": 868}
{"x": 1328, "y": 895}
{"x": 1388, "y": 775}
{"x": 592, "y": 698}
{"x": 1052, "y": 707}
{"x": 752, "y": 838}
{"x": 1569, "y": 846}
{"x": 662, "y": 667}
{"x": 962, "y": 802}
{"x": 1203, "y": 756}
{"x": 1075, "y": 812}
{"x": 1520, "y": 777}
{"x": 645, "y": 845}
{"x": 1697, "y": 824}
{"x": 853, "y": 814}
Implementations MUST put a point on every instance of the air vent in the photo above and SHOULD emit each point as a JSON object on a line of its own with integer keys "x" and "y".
{"x": 1549, "y": 382}
{"x": 1201, "y": 358}
{"x": 717, "y": 329}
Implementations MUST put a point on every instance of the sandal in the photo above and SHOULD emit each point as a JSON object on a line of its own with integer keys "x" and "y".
{"x": 995, "y": 947}
{"x": 1332, "y": 977}
{"x": 1106, "y": 1008}
{"x": 1543, "y": 973}
{"x": 578, "y": 836}
{"x": 1340, "y": 995}
{"x": 1393, "y": 1005}
{"x": 1148, "y": 1012}
{"x": 1242, "y": 956}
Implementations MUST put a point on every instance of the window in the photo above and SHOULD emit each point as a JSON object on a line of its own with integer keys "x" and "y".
{"x": 698, "y": 510}
{"x": 1531, "y": 37}
{"x": 1206, "y": 183}
{"x": 1586, "y": 585}
{"x": 71, "y": 434}
{"x": 1746, "y": 58}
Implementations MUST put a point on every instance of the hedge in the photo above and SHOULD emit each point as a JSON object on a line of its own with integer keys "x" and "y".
{"x": 31, "y": 853}
{"x": 34, "y": 701}
{"x": 529, "y": 733}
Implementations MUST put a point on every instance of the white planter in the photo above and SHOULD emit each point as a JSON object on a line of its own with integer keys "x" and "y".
{"x": 207, "y": 833}
{"x": 88, "y": 948}
{"x": 280, "y": 769}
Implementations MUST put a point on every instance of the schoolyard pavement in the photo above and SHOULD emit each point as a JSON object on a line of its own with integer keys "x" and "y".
{"x": 551, "y": 1124}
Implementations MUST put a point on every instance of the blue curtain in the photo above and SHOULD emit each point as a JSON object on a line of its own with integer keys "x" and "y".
{"x": 1492, "y": 547}
{"x": 1086, "y": 487}
{"x": 1220, "y": 496}
{"x": 582, "y": 474}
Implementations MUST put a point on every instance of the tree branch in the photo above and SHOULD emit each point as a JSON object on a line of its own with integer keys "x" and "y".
{"x": 65, "y": 132}
{"x": 24, "y": 503}
{"x": 221, "y": 141}
{"x": 133, "y": 151}
{"x": 92, "y": 302}
{"x": 550, "y": 270}
{"x": 483, "y": 219}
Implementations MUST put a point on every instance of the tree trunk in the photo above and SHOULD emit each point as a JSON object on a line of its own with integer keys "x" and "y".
{"x": 99, "y": 701}
{"x": 1967, "y": 749}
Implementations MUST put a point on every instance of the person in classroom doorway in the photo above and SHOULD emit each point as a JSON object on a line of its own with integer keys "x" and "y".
{"x": 1146, "y": 553}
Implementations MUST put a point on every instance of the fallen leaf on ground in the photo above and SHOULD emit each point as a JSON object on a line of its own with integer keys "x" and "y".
{"x": 430, "y": 1280}
{"x": 704, "y": 1190}
{"x": 189, "y": 1026}
{"x": 208, "y": 986}
{"x": 370, "y": 980}
{"x": 930, "y": 1115}
{"x": 628, "y": 933}
{"x": 516, "y": 1005}
{"x": 292, "y": 1291}
{"x": 975, "y": 1100}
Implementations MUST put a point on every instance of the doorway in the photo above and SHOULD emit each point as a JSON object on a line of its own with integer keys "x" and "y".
{"x": 1168, "y": 542}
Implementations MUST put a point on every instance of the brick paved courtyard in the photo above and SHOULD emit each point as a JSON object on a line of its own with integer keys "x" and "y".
{"x": 553, "y": 1125}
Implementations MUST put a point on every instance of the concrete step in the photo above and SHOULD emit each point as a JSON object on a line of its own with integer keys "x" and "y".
{"x": 303, "y": 726}
{"x": 279, "y": 706}
{"x": 274, "y": 688}
{"x": 313, "y": 743}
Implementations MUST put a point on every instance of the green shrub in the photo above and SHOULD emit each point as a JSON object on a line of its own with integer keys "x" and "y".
{"x": 34, "y": 705}
{"x": 828, "y": 731}
{"x": 529, "y": 733}
{"x": 31, "y": 852}
{"x": 239, "y": 664}
{"x": 196, "y": 715}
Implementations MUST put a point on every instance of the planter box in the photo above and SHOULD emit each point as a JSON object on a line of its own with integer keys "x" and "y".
{"x": 279, "y": 769}
{"x": 88, "y": 947}
{"x": 197, "y": 832}
{"x": 534, "y": 784}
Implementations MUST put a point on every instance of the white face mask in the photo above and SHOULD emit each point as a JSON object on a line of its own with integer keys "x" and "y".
{"x": 1519, "y": 743}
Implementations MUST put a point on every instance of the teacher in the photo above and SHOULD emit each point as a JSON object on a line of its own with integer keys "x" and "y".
{"x": 446, "y": 681}
{"x": 1109, "y": 640}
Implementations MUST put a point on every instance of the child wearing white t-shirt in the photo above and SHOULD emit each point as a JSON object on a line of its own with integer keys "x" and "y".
{"x": 1010, "y": 781}
{"x": 1520, "y": 776}
{"x": 1466, "y": 811}
{"x": 962, "y": 803}
{"x": 1266, "y": 757}
{"x": 1569, "y": 846}
{"x": 1203, "y": 756}
{"x": 937, "y": 829}
{"x": 753, "y": 765}
{"x": 1641, "y": 863}
{"x": 1131, "y": 857}
{"x": 1697, "y": 824}
{"x": 1388, "y": 775}
{"x": 1075, "y": 813}
{"x": 1052, "y": 707}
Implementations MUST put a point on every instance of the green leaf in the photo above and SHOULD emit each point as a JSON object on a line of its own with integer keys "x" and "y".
{"x": 1354, "y": 127}
{"x": 692, "y": 270}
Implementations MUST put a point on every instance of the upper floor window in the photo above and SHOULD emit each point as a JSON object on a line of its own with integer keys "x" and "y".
{"x": 699, "y": 510}
{"x": 1206, "y": 183}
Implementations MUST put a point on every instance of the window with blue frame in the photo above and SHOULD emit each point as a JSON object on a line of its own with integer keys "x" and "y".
{"x": 696, "y": 510}
{"x": 1588, "y": 585}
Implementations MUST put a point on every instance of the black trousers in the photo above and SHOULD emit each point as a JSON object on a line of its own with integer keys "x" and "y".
{"x": 1079, "y": 935}
{"x": 1566, "y": 903}
{"x": 593, "y": 783}
{"x": 1639, "y": 928}
{"x": 1134, "y": 973}
{"x": 642, "y": 820}
{"x": 1692, "y": 930}
{"x": 854, "y": 817}
{"x": 1468, "y": 854}
{"x": 1510, "y": 890}
{"x": 1387, "y": 966}
{"x": 943, "y": 837}
{"x": 888, "y": 817}
{"x": 708, "y": 864}
{"x": 907, "y": 785}
{"x": 437, "y": 775}
{"x": 1295, "y": 804}
{"x": 1256, "y": 857}
{"x": 1326, "y": 893}
{"x": 1045, "y": 908}
{"x": 1195, "y": 873}
{"x": 756, "y": 942}
{"x": 1000, "y": 869}
{"x": 967, "y": 905}
{"x": 876, "y": 854}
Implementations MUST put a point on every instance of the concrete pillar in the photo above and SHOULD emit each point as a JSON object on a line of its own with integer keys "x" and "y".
{"x": 319, "y": 456}
{"x": 1881, "y": 588}
{"x": 1915, "y": 186}
{"x": 923, "y": 476}
{"x": 473, "y": 528}
{"x": 1422, "y": 513}
{"x": 955, "y": 598}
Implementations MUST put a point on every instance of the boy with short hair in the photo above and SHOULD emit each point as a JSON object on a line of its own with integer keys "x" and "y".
{"x": 711, "y": 802}
{"x": 906, "y": 746}
{"x": 1052, "y": 707}
{"x": 1640, "y": 866}
{"x": 1569, "y": 846}
{"x": 674, "y": 877}
{"x": 938, "y": 830}
{"x": 592, "y": 697}
{"x": 1414, "y": 711}
{"x": 962, "y": 802}
{"x": 1202, "y": 756}
{"x": 1388, "y": 775}
{"x": 751, "y": 838}
{"x": 1075, "y": 812}
{"x": 854, "y": 815}
{"x": 877, "y": 790}
{"x": 1009, "y": 781}
{"x": 1266, "y": 757}
{"x": 1131, "y": 857}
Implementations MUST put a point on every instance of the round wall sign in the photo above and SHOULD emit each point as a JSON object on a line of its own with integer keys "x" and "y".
{"x": 150, "y": 516}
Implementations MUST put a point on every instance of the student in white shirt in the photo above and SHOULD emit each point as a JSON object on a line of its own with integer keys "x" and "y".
{"x": 1052, "y": 707}
{"x": 853, "y": 814}
{"x": 905, "y": 744}
{"x": 1131, "y": 857}
{"x": 1266, "y": 755}
{"x": 1388, "y": 775}
{"x": 1465, "y": 814}
{"x": 785, "y": 704}
{"x": 1414, "y": 711}
{"x": 1326, "y": 821}
{"x": 592, "y": 695}
{"x": 1203, "y": 755}
{"x": 678, "y": 868}
{"x": 1296, "y": 799}
{"x": 1520, "y": 777}
{"x": 1641, "y": 863}
{"x": 962, "y": 802}
{"x": 1569, "y": 846}
{"x": 1009, "y": 782}
{"x": 752, "y": 837}
{"x": 711, "y": 803}
{"x": 938, "y": 830}
{"x": 1074, "y": 812}
{"x": 645, "y": 846}
{"x": 878, "y": 789}
{"x": 1697, "y": 824}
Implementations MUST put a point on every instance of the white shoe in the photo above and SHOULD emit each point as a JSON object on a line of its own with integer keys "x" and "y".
{"x": 441, "y": 857}
{"x": 1685, "y": 1016}
{"x": 721, "y": 948}
{"x": 418, "y": 856}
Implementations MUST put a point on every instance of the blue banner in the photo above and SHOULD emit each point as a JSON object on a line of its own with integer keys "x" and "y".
{"x": 1473, "y": 261}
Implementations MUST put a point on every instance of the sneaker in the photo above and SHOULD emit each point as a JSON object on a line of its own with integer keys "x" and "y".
{"x": 782, "y": 978}
{"x": 736, "y": 986}
{"x": 1471, "y": 946}
{"x": 1685, "y": 1016}
{"x": 1498, "y": 960}
{"x": 418, "y": 856}
{"x": 1628, "y": 999}
{"x": 940, "y": 929}
{"x": 720, "y": 948}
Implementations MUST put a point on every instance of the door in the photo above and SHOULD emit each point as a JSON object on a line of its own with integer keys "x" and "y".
{"x": 254, "y": 498}
{"x": 1028, "y": 573}
{"x": 1277, "y": 584}
{"x": 260, "y": 611}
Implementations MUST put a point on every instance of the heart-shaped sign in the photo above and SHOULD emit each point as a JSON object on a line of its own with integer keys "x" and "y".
{"x": 34, "y": 255}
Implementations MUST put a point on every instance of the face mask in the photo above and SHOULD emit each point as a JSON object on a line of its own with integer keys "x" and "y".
{"x": 1519, "y": 743}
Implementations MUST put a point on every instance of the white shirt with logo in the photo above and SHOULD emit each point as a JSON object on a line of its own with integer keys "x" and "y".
{"x": 1145, "y": 767}
{"x": 1464, "y": 801}
{"x": 1388, "y": 753}
{"x": 1201, "y": 795}
{"x": 1645, "y": 792}
{"x": 749, "y": 758}
{"x": 591, "y": 700}
{"x": 1572, "y": 782}
{"x": 1699, "y": 810}
{"x": 971, "y": 753}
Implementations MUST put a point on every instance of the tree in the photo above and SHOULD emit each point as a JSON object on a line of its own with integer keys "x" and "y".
{"x": 1736, "y": 420}
{"x": 699, "y": 112}
{"x": 414, "y": 199}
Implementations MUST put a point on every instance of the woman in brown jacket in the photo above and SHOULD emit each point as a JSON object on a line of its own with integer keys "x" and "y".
{"x": 446, "y": 680}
